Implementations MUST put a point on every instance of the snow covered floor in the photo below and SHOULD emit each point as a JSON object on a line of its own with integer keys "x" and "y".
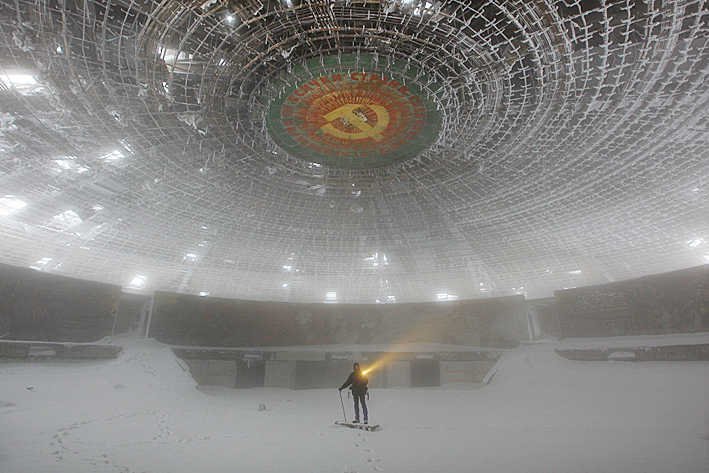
{"x": 142, "y": 413}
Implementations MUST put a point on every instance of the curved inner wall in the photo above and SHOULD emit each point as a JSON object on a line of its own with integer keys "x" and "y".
{"x": 40, "y": 306}
{"x": 190, "y": 320}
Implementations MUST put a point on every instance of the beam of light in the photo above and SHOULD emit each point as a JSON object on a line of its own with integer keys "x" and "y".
{"x": 423, "y": 331}
{"x": 379, "y": 363}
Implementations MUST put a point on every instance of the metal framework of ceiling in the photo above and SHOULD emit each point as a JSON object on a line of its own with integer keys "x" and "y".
{"x": 571, "y": 145}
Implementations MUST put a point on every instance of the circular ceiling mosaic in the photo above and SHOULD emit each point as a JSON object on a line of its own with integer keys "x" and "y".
{"x": 352, "y": 117}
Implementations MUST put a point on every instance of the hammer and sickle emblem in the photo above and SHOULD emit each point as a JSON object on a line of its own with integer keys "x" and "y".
{"x": 348, "y": 114}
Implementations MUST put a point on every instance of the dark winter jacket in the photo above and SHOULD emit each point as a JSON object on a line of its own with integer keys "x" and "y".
{"x": 358, "y": 381}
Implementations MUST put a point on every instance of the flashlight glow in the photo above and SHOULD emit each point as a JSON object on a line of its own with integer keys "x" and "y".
{"x": 379, "y": 363}
{"x": 425, "y": 331}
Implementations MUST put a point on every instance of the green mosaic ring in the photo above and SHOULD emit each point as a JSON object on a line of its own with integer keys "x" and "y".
{"x": 352, "y": 117}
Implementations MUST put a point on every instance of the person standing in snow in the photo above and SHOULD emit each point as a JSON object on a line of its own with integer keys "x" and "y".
{"x": 358, "y": 382}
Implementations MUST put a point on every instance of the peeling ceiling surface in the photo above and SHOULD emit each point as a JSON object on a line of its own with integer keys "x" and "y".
{"x": 354, "y": 150}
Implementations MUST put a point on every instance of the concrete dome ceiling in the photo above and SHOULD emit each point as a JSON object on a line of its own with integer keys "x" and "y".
{"x": 354, "y": 150}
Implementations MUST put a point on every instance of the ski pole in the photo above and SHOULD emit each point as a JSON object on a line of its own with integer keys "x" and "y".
{"x": 343, "y": 407}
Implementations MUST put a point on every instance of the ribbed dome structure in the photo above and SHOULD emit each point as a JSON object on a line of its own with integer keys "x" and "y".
{"x": 354, "y": 150}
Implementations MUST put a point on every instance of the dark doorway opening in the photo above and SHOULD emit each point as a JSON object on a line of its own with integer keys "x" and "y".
{"x": 250, "y": 374}
{"x": 425, "y": 373}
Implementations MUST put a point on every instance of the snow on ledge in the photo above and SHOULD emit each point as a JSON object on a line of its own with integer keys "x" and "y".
{"x": 636, "y": 341}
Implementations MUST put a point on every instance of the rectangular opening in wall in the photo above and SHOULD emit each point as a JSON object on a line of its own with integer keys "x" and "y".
{"x": 250, "y": 374}
{"x": 425, "y": 372}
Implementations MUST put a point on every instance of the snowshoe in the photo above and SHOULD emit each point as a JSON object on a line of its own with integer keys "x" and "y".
{"x": 367, "y": 427}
